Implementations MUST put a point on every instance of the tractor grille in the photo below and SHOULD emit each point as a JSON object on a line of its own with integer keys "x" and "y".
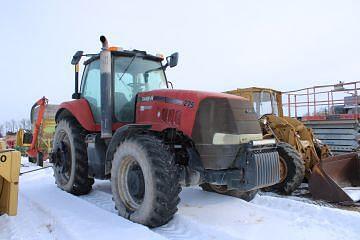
{"x": 256, "y": 168}
{"x": 267, "y": 168}
{"x": 222, "y": 115}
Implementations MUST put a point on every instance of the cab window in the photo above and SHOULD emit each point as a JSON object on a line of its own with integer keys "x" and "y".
{"x": 91, "y": 88}
{"x": 262, "y": 103}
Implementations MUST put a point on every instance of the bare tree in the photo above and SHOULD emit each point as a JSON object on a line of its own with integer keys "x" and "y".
{"x": 13, "y": 126}
{"x": 22, "y": 123}
{"x": 28, "y": 124}
{"x": 7, "y": 127}
{"x": 2, "y": 128}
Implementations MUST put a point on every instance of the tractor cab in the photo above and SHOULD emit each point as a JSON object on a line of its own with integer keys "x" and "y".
{"x": 264, "y": 100}
{"x": 129, "y": 72}
{"x": 132, "y": 73}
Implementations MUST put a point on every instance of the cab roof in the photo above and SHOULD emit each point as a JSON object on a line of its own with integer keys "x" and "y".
{"x": 126, "y": 53}
{"x": 253, "y": 89}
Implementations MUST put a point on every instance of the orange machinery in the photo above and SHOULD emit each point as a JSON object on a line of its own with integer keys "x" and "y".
{"x": 34, "y": 151}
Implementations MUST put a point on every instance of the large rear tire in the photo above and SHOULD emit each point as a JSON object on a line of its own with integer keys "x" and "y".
{"x": 292, "y": 169}
{"x": 144, "y": 181}
{"x": 222, "y": 189}
{"x": 70, "y": 158}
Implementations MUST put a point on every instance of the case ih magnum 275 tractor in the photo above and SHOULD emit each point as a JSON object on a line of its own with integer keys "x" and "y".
{"x": 127, "y": 126}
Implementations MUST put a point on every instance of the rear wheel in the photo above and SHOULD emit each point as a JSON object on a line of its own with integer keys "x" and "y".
{"x": 144, "y": 181}
{"x": 70, "y": 158}
{"x": 222, "y": 189}
{"x": 292, "y": 169}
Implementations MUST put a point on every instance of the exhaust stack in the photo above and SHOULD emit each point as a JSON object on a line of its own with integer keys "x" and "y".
{"x": 106, "y": 89}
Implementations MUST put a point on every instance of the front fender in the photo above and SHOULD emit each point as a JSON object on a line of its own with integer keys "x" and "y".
{"x": 120, "y": 135}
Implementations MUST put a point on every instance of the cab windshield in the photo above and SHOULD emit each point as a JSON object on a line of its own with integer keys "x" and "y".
{"x": 136, "y": 74}
{"x": 265, "y": 103}
{"x": 131, "y": 76}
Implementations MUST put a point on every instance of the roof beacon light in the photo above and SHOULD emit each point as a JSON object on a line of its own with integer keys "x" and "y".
{"x": 114, "y": 48}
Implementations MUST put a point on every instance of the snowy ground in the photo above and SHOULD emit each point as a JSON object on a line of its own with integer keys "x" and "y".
{"x": 46, "y": 212}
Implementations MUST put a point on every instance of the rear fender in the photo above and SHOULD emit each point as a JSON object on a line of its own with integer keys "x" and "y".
{"x": 81, "y": 111}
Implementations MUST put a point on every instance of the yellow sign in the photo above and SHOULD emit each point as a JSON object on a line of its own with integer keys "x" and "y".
{"x": 9, "y": 181}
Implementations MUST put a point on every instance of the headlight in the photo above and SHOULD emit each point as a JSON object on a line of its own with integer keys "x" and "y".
{"x": 264, "y": 142}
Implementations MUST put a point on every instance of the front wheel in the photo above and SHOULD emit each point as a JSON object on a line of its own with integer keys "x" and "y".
{"x": 222, "y": 189}
{"x": 292, "y": 169}
{"x": 144, "y": 181}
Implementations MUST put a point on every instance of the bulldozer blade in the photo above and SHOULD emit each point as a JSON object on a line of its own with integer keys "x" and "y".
{"x": 332, "y": 176}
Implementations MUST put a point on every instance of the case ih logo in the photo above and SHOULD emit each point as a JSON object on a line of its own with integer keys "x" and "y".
{"x": 185, "y": 103}
{"x": 147, "y": 99}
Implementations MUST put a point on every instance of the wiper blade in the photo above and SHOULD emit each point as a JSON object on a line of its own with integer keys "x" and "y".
{"x": 154, "y": 69}
{"x": 127, "y": 67}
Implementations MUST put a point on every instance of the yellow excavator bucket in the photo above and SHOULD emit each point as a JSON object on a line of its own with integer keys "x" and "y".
{"x": 336, "y": 178}
{"x": 9, "y": 181}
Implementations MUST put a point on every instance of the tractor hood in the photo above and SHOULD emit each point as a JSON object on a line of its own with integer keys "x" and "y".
{"x": 199, "y": 114}
{"x": 188, "y": 94}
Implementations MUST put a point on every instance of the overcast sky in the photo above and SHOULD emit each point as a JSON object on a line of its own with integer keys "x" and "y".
{"x": 222, "y": 44}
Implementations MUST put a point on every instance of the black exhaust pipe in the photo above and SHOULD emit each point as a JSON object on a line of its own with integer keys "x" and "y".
{"x": 106, "y": 90}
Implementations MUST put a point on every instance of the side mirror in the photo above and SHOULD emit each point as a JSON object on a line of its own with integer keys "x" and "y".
{"x": 76, "y": 58}
{"x": 75, "y": 61}
{"x": 172, "y": 60}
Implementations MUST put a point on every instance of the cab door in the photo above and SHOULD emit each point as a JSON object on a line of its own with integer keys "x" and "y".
{"x": 90, "y": 89}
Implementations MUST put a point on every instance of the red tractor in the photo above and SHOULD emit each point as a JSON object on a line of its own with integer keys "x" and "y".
{"x": 126, "y": 125}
